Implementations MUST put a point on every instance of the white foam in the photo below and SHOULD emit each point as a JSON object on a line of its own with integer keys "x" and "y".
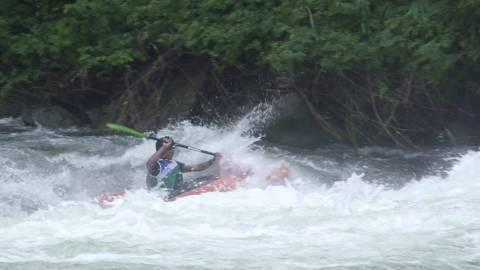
{"x": 347, "y": 223}
{"x": 432, "y": 222}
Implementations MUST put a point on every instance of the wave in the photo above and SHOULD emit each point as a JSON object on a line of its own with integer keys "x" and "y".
{"x": 338, "y": 210}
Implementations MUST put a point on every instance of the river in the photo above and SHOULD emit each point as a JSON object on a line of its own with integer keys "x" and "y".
{"x": 342, "y": 208}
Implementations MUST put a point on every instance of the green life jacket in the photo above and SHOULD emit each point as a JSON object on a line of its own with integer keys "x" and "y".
{"x": 169, "y": 175}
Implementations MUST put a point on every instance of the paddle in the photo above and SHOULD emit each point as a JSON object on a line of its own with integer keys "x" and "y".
{"x": 139, "y": 134}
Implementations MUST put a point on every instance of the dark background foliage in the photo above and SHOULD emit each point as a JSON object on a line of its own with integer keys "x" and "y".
{"x": 369, "y": 71}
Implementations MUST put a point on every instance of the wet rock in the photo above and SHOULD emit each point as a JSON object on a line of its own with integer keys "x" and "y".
{"x": 293, "y": 124}
{"x": 51, "y": 116}
{"x": 169, "y": 94}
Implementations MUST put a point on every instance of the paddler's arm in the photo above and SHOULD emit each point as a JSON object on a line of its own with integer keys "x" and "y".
{"x": 152, "y": 161}
{"x": 202, "y": 166}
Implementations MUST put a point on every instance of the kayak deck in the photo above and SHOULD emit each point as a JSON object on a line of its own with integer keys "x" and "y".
{"x": 227, "y": 181}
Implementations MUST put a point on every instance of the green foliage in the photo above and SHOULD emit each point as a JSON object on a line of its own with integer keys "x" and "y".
{"x": 40, "y": 40}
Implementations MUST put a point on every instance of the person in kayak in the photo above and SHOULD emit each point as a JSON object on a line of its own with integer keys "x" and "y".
{"x": 166, "y": 173}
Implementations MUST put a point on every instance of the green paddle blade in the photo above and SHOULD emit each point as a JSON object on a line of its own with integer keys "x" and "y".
{"x": 125, "y": 129}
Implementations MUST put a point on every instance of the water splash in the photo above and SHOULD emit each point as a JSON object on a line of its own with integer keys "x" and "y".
{"x": 330, "y": 215}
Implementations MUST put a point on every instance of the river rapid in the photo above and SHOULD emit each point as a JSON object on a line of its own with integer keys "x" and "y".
{"x": 342, "y": 208}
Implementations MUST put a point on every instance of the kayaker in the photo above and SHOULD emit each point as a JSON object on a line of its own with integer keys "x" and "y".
{"x": 166, "y": 173}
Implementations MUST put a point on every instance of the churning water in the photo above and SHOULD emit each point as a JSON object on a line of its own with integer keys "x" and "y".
{"x": 370, "y": 208}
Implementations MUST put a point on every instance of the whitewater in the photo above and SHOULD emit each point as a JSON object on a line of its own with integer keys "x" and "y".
{"x": 342, "y": 208}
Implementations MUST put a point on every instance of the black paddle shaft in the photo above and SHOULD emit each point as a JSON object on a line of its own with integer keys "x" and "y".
{"x": 184, "y": 146}
{"x": 194, "y": 149}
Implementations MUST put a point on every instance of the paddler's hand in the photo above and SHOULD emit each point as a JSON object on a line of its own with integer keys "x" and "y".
{"x": 217, "y": 157}
{"x": 167, "y": 141}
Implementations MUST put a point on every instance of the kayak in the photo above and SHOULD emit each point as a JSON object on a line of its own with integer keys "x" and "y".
{"x": 226, "y": 181}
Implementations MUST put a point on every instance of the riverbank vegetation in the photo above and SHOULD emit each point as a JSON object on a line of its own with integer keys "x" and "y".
{"x": 369, "y": 71}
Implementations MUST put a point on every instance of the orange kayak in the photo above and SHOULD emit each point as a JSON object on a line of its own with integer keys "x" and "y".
{"x": 227, "y": 181}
